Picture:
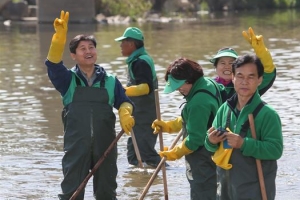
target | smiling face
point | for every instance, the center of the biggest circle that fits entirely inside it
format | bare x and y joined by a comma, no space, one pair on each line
86,54
246,80
224,67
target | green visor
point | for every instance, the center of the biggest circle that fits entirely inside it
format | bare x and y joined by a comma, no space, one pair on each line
224,53
173,84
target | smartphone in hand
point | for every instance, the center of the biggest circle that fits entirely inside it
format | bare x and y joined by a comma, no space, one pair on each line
225,142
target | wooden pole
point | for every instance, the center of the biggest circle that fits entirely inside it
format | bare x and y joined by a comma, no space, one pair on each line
136,149
160,135
97,165
258,162
161,163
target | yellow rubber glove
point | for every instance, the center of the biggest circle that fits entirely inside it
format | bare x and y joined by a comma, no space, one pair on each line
222,156
177,152
172,126
260,49
137,90
126,119
59,38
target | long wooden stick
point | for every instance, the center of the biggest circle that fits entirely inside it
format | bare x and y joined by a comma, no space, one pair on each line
161,163
136,149
258,162
161,143
97,165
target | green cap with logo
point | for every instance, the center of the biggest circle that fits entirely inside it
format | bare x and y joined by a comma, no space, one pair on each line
173,84
229,52
131,32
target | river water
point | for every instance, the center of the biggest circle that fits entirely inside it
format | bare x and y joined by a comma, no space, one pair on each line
31,134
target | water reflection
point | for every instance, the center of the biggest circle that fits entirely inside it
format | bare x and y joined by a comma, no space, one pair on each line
30,123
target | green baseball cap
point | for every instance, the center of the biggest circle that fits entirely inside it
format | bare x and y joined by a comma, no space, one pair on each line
131,32
229,52
173,84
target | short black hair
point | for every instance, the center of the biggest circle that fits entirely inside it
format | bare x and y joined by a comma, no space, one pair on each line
78,38
246,59
185,69
137,43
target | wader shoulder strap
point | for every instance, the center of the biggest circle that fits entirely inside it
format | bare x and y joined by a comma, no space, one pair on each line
78,83
228,119
246,124
200,90
219,95
212,116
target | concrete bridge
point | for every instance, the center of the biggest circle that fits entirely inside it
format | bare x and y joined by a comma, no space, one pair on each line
45,11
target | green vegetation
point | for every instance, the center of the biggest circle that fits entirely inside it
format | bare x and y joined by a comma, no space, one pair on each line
131,8
137,8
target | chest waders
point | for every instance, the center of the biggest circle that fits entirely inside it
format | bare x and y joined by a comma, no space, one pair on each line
241,182
200,168
144,114
201,173
89,125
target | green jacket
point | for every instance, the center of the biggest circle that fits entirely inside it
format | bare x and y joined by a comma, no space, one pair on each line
269,143
199,111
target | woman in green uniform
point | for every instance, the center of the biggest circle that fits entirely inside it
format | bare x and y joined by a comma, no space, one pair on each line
203,99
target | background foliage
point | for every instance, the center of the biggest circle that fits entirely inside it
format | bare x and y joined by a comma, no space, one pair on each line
138,8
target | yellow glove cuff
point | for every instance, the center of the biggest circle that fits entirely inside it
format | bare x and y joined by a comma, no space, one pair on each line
126,120
126,107
177,152
56,52
175,125
137,90
185,149
266,60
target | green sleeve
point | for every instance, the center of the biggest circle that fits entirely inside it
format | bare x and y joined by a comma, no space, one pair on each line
197,113
268,80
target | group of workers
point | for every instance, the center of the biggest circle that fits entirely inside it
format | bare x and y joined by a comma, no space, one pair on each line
218,145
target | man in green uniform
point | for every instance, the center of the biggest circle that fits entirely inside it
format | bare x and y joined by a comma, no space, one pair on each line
203,99
88,95
141,83
237,173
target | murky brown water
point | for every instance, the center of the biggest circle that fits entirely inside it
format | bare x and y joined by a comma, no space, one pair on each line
31,130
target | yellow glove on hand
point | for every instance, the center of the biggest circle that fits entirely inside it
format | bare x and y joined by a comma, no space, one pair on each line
172,126
126,119
59,38
177,152
260,49
137,90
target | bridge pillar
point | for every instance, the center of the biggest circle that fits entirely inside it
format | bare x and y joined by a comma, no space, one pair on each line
81,11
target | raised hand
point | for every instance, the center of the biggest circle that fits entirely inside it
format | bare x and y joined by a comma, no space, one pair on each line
257,43
59,38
